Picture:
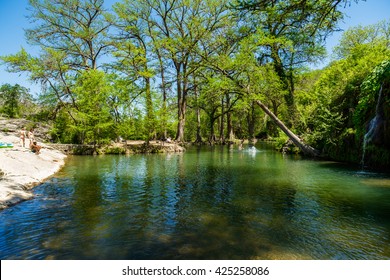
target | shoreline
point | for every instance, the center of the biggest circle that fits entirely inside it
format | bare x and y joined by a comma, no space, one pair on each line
23,170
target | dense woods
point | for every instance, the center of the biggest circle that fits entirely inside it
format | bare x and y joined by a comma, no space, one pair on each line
206,71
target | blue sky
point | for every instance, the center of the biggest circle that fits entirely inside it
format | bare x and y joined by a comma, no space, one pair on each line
13,21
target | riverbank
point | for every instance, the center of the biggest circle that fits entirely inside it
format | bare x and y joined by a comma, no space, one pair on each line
124,147
21,169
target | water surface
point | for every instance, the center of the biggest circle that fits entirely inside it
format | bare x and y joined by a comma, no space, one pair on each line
208,203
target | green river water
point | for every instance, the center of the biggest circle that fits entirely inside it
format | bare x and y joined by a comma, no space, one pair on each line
207,203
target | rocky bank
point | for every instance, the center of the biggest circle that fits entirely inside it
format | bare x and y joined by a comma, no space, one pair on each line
20,169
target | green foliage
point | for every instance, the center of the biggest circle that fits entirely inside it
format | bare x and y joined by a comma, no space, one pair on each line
199,67
76,30
294,31
344,95
371,35
10,96
280,141
15,101
62,131
93,119
115,150
370,89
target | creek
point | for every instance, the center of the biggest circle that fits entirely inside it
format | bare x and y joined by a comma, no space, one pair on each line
207,203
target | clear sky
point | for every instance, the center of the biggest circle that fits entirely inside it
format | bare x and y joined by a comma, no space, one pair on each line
13,21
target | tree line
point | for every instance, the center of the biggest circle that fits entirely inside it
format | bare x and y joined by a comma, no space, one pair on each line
202,71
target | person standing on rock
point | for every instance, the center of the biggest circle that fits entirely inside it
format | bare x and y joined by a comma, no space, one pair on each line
30,136
23,137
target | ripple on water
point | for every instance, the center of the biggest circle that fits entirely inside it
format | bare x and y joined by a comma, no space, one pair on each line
201,205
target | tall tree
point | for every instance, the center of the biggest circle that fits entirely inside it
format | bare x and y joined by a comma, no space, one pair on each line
338,107
357,37
178,27
133,51
94,119
253,80
71,36
12,98
77,28
302,25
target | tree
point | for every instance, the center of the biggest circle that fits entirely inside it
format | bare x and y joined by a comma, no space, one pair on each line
212,93
301,27
93,115
77,28
254,81
132,50
72,37
177,28
340,109
13,98
371,35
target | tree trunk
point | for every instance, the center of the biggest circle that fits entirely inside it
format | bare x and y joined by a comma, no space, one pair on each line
306,149
198,127
164,91
181,120
182,90
198,120
181,108
164,105
229,120
149,111
221,125
288,83
251,123
211,128
180,129
164,116
212,134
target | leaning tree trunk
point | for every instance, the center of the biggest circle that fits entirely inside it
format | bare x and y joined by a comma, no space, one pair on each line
306,149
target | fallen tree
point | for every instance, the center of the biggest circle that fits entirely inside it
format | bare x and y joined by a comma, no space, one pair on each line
306,149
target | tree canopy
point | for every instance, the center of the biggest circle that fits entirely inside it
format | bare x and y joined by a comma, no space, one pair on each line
201,70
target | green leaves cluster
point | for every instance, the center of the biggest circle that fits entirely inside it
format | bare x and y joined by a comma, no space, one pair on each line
342,98
93,118
197,69
15,101
375,82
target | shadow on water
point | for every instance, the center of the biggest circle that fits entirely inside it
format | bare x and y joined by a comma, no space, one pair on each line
209,203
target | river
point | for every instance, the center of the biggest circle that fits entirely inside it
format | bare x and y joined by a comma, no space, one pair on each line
207,203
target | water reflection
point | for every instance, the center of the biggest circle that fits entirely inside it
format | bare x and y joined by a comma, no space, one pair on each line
209,203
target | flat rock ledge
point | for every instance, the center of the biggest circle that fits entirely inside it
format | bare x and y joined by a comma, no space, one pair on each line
21,170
